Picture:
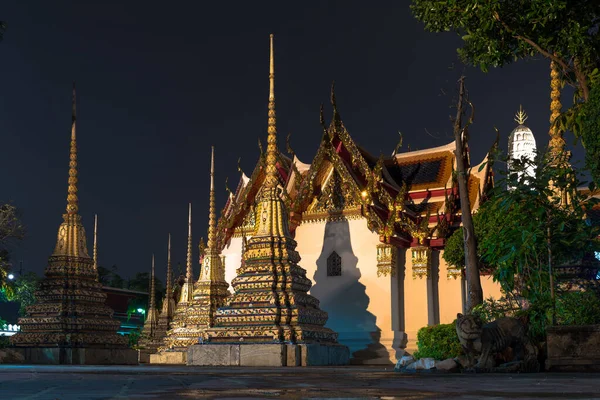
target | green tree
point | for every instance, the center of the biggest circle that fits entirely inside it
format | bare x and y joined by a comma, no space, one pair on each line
588,127
536,234
110,277
496,33
141,282
23,291
11,232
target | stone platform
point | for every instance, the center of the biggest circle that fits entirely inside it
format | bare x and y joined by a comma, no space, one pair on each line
77,355
169,357
268,355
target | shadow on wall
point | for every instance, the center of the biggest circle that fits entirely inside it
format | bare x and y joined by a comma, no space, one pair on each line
345,299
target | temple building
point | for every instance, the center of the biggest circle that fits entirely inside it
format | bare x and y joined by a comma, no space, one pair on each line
370,233
70,322
521,143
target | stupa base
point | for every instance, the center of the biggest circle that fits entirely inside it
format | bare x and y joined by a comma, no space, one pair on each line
77,355
169,357
268,355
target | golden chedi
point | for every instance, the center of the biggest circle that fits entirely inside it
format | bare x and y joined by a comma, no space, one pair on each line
270,320
70,323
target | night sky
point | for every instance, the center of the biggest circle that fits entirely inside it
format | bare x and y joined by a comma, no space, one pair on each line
159,82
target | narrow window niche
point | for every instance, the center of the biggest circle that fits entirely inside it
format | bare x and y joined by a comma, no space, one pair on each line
334,264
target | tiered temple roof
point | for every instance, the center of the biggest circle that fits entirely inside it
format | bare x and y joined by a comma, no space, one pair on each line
403,197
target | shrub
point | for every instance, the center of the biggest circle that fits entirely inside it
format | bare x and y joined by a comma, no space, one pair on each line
578,308
438,341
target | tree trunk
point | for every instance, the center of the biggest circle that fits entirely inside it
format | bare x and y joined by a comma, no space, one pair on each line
474,291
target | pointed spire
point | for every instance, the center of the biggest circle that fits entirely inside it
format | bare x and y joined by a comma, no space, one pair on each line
189,275
557,142
169,288
152,291
72,201
212,217
271,180
520,117
96,242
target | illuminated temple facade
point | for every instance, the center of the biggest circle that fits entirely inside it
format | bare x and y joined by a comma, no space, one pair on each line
371,233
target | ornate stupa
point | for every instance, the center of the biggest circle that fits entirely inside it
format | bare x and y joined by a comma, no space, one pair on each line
521,142
173,348
270,320
149,340
210,292
168,305
211,289
69,323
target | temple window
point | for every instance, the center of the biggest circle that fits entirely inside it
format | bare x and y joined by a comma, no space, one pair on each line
334,264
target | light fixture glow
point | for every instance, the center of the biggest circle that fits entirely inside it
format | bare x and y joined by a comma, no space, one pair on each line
11,276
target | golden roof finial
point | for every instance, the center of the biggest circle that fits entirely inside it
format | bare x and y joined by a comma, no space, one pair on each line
96,242
336,115
189,273
271,167
169,288
72,201
212,217
521,117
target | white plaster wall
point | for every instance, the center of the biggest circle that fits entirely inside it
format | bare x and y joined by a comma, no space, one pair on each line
358,302
233,259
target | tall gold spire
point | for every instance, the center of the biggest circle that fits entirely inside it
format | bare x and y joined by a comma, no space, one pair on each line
71,234
169,288
270,301
557,142
72,201
152,291
271,168
520,117
189,274
96,242
212,216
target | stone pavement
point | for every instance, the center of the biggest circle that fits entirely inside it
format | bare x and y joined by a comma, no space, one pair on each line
19,382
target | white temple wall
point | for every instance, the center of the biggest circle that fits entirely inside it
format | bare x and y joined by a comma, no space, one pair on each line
359,303
233,259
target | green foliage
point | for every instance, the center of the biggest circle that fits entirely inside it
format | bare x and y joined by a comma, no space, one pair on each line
438,341
141,282
110,277
588,128
535,225
134,337
496,33
23,290
578,308
485,222
492,309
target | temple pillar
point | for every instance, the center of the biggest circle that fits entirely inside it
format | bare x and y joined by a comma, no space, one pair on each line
433,297
397,300
416,308
450,291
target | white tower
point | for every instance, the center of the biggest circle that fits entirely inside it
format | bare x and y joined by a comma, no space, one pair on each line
521,143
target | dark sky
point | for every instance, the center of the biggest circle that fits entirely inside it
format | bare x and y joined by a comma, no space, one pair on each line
159,82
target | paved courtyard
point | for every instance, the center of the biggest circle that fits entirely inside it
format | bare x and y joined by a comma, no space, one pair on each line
158,382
